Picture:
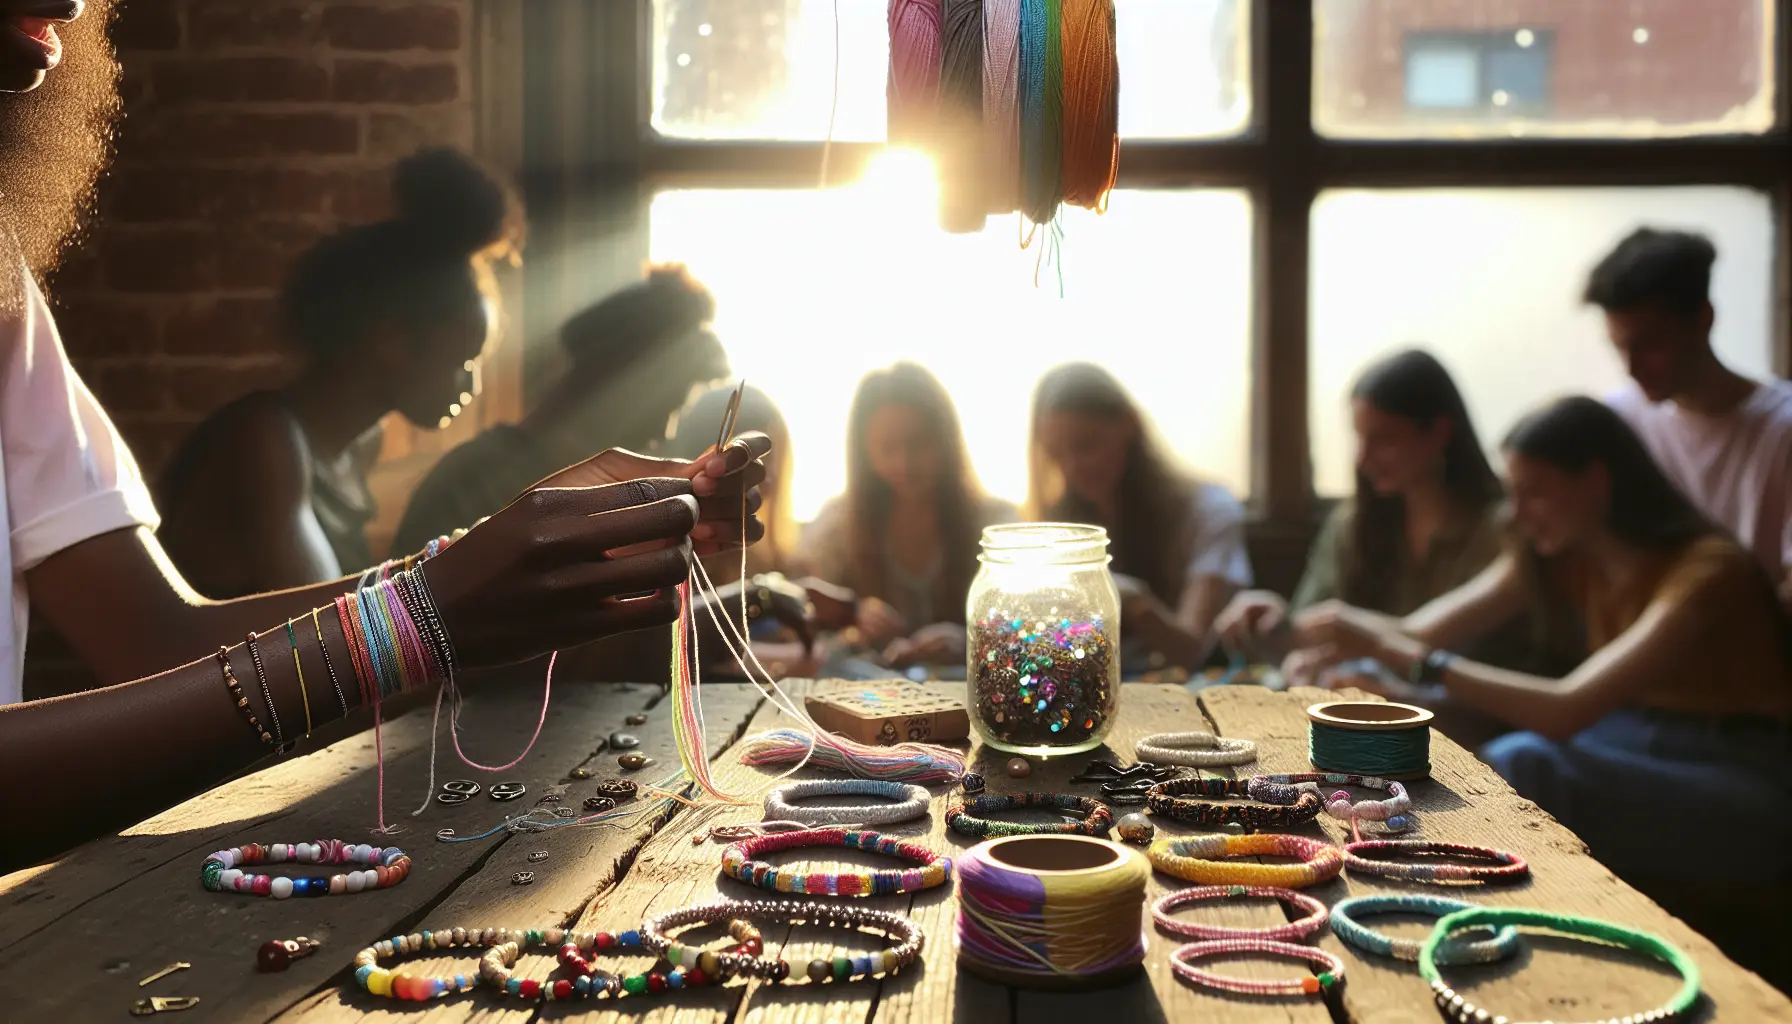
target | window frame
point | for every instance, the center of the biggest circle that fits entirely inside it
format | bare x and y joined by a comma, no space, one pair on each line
1278,159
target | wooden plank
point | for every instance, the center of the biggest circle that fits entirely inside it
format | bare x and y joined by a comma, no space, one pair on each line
100,938
1465,801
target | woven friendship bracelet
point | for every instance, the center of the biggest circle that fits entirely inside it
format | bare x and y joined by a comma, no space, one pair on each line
1193,801
1503,944
740,861
1395,811
1455,1007
1332,973
907,935
910,802
1368,857
1193,858
1315,911
383,867
969,817
1195,750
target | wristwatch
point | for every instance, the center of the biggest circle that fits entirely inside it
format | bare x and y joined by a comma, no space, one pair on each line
1429,670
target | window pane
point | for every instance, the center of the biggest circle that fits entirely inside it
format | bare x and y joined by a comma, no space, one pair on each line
1490,281
813,289
1478,68
764,69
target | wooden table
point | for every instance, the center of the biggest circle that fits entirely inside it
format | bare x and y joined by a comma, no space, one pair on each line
78,934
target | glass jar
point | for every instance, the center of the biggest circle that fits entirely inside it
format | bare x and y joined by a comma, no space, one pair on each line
1043,650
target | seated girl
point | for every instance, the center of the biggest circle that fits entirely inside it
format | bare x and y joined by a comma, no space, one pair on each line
904,537
1177,543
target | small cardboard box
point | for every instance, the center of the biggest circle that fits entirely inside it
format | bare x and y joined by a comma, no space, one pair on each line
882,714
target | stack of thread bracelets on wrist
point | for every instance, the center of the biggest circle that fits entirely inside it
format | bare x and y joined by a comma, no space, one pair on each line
396,640
740,861
1195,750
1190,858
1395,811
1333,973
1172,800
1455,1007
968,817
384,867
1503,944
1364,857
1315,910
836,915
911,802
379,981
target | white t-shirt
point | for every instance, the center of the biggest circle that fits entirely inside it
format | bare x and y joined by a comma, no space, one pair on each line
1218,548
1736,467
68,474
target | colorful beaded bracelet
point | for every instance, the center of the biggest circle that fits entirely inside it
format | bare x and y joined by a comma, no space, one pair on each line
1286,789
1191,858
1172,799
496,966
1503,944
967,817
1366,857
907,934
1195,750
911,802
740,861
1332,975
694,966
1300,929
1455,1007
386,866
379,981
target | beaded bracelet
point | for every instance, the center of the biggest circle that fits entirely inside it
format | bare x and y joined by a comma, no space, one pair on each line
907,934
1315,910
1501,866
1190,858
1195,750
1167,798
495,966
377,980
1503,944
1285,789
967,817
242,701
1455,1007
740,861
911,802
1332,975
387,866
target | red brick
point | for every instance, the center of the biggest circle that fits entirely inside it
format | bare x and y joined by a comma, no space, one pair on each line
152,26
224,135
382,81
160,259
105,326
361,197
225,23
241,80
163,195
223,327
410,27
262,254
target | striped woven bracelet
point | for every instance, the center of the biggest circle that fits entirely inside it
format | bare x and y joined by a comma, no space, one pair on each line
1331,975
1191,858
1503,944
968,817
740,861
1368,857
1315,910
382,868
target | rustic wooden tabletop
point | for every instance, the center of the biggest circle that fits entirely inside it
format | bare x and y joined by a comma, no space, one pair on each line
78,934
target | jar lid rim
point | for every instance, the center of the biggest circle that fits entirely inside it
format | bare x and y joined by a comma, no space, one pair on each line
1012,536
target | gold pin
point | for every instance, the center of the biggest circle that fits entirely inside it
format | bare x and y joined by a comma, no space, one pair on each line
164,972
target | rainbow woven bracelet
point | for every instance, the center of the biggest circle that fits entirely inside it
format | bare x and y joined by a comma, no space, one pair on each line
740,861
1500,866
1190,858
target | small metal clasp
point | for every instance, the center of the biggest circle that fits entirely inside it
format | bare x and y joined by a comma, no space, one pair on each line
159,1004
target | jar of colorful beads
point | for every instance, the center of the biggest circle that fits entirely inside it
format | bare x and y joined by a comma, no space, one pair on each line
1043,650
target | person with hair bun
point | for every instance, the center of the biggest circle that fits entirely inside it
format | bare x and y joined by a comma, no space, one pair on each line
633,359
392,317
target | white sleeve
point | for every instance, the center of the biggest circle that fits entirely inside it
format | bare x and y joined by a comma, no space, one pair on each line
1219,544
69,476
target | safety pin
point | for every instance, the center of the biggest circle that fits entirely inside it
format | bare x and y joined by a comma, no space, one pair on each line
160,1004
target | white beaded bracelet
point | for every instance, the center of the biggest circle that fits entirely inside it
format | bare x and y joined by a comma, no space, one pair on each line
1195,749
911,802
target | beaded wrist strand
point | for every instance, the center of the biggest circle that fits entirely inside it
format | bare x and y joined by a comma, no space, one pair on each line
1193,801
969,816
379,981
384,867
1395,811
740,861
906,951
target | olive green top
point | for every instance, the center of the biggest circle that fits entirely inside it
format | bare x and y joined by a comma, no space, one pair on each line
1465,544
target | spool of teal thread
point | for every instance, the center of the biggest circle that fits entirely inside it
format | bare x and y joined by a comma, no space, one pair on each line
1380,738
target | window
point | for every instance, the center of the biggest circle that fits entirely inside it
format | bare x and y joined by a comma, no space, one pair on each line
815,288
1542,67
764,69
1390,271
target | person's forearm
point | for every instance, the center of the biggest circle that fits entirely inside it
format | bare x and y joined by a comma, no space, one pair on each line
1551,707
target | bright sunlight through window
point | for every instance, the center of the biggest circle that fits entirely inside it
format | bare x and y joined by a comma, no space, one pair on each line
814,288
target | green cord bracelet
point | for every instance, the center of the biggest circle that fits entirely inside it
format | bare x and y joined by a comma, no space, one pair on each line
1455,1007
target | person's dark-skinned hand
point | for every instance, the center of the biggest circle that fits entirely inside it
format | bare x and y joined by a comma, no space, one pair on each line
835,607
717,480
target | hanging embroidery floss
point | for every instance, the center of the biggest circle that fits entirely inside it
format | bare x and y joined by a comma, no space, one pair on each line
1054,912
1383,739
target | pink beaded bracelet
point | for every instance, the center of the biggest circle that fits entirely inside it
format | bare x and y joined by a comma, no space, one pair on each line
1368,857
1316,913
1332,975
383,867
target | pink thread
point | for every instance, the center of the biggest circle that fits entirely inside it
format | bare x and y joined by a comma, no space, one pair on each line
916,52
1001,102
547,686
